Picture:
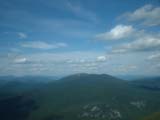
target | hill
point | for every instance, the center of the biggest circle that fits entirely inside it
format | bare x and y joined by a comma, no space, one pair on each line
152,83
13,85
92,96
85,97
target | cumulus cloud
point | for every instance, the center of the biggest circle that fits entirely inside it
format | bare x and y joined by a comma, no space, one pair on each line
22,35
138,40
145,43
74,62
116,33
20,60
101,58
43,45
51,63
148,15
154,57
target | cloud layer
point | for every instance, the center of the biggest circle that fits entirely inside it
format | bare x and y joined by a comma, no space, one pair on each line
123,46
148,15
43,45
144,43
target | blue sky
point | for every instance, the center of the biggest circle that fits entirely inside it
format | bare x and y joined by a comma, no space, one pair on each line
61,37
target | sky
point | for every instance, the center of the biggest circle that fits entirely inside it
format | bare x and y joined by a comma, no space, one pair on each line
62,37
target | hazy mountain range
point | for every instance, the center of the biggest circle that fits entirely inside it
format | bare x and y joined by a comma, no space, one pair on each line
79,97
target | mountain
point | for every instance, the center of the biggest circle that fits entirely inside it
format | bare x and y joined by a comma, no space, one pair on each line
152,83
13,85
92,96
43,79
85,97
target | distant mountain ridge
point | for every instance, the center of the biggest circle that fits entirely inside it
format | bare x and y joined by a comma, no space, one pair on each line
85,97
90,96
152,83
89,76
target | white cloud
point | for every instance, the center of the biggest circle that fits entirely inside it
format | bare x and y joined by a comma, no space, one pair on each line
20,60
64,63
22,35
43,45
101,58
145,43
148,14
154,57
51,63
61,45
116,33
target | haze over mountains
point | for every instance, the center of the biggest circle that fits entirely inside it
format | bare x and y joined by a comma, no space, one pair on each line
79,97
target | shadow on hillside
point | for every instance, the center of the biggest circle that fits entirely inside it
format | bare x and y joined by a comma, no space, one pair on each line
16,108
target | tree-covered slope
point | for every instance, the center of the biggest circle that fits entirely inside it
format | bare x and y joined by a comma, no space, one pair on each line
91,96
154,116
79,97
